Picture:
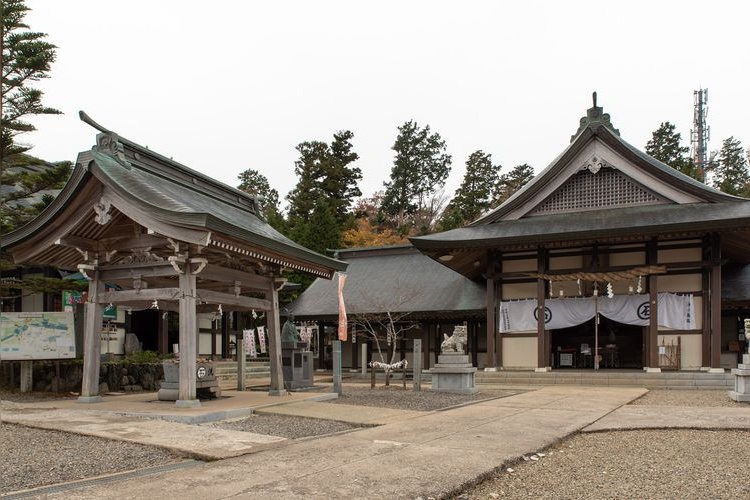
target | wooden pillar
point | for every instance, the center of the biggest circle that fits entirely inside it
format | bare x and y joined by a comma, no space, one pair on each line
321,345
542,356
491,305
425,335
92,341
715,302
474,342
355,354
225,353
498,298
162,332
186,395
706,303
652,259
491,362
276,387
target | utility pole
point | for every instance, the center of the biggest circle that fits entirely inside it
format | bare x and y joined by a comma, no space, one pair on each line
701,133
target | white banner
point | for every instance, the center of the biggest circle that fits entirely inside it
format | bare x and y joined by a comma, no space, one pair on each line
675,311
262,339
249,336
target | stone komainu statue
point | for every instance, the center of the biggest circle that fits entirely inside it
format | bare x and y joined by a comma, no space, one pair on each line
456,342
289,332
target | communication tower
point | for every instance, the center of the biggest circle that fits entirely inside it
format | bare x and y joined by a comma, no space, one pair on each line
701,133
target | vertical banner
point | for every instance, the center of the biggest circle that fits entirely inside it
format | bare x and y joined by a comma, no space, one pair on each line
342,308
262,339
249,336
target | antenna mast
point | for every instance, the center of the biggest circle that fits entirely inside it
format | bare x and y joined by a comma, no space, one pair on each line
701,133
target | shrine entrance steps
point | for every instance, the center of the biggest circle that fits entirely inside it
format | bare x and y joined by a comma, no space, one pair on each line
634,378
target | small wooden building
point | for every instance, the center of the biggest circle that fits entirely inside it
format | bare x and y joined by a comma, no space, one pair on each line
167,237
400,280
603,222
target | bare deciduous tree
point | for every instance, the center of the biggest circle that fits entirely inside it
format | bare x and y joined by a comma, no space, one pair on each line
386,324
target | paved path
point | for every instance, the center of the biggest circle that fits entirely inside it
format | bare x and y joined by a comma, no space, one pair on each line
673,417
426,455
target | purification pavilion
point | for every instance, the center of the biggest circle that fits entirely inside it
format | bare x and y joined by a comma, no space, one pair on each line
166,237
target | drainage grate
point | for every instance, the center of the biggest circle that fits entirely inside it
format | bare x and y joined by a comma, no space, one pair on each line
95,481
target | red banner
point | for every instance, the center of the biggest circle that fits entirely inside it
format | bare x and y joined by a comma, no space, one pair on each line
342,308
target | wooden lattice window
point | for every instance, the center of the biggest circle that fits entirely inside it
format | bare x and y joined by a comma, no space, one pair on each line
586,190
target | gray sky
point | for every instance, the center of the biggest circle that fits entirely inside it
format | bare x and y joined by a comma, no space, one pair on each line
224,86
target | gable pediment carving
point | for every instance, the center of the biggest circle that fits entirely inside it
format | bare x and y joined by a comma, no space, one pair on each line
597,184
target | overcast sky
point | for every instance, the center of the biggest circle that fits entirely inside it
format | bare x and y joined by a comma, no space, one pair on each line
224,86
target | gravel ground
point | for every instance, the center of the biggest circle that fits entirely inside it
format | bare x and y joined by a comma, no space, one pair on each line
284,426
35,457
642,464
395,396
684,464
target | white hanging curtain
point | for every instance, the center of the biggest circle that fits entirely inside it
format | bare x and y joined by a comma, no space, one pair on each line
675,311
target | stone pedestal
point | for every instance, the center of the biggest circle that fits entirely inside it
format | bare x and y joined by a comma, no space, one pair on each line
741,374
453,373
297,365
206,385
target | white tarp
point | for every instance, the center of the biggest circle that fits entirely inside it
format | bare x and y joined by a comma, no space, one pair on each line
675,311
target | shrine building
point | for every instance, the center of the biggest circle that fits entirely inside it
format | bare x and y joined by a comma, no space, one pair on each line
162,237
608,258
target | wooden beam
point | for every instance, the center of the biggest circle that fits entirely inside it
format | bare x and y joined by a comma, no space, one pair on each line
142,241
224,274
122,296
144,270
241,301
78,242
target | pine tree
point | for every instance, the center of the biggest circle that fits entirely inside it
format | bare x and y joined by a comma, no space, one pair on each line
665,147
256,184
30,183
512,182
476,193
730,173
420,169
323,173
26,58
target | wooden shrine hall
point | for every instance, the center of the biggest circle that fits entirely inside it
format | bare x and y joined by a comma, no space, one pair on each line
166,236
604,225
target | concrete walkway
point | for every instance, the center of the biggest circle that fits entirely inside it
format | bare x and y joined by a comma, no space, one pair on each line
422,455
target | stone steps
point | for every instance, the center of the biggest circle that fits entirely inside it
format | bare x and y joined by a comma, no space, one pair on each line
663,380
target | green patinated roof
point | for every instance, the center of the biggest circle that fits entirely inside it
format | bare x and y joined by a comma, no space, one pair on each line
399,279
647,220
597,124
174,194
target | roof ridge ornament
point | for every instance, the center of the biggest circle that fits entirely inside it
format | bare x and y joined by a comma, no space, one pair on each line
107,141
595,117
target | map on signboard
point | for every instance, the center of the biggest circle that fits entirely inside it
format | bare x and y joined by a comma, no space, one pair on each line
37,335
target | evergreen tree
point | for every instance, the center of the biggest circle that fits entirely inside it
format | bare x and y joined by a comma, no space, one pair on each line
256,184
512,182
26,58
665,147
730,173
420,169
476,193
29,183
340,180
323,173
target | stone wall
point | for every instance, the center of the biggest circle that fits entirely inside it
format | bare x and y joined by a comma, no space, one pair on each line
112,376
